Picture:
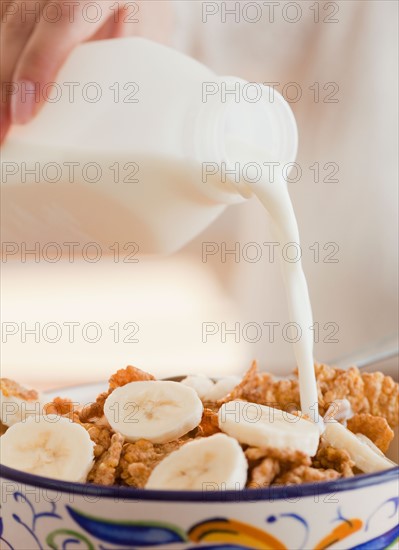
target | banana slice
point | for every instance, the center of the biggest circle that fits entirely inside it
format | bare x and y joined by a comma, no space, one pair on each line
364,439
262,426
361,452
159,411
222,388
17,403
216,462
50,446
200,383
339,409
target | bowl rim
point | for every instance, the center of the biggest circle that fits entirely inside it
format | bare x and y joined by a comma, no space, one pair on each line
272,493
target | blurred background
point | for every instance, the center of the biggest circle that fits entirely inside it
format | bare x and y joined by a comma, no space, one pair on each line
340,76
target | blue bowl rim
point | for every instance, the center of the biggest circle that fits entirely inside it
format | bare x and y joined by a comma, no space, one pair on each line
286,492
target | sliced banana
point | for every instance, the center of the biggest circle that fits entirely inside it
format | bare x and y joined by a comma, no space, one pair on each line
50,446
361,452
364,439
262,426
216,462
339,409
17,402
222,388
159,411
200,383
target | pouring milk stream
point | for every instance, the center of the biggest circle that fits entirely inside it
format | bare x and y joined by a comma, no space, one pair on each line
139,142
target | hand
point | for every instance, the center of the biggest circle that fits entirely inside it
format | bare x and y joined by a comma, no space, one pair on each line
38,35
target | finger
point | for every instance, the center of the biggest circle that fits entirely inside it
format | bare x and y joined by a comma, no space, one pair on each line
110,29
154,20
121,13
59,31
5,122
17,23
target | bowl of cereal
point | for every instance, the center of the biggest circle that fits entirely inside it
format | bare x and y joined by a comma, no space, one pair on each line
190,463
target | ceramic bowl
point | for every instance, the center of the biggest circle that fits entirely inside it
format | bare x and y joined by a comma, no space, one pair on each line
352,513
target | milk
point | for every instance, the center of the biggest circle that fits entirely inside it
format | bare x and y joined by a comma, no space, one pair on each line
136,155
274,196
